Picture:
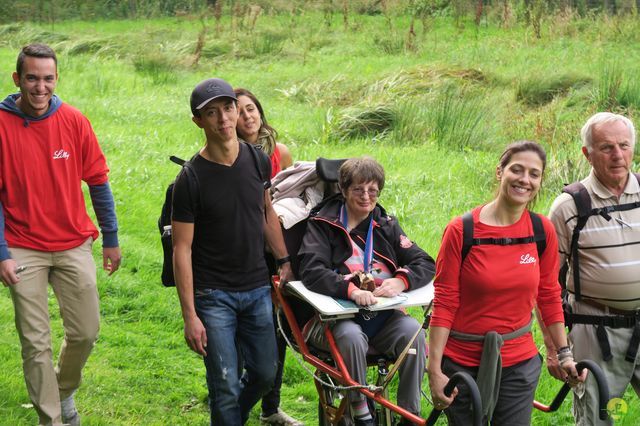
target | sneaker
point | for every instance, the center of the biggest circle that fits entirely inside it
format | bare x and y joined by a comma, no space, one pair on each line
280,418
70,414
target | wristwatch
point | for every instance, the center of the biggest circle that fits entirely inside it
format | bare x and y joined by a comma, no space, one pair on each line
283,260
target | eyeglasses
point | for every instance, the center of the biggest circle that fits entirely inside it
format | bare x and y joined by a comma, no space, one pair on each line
359,192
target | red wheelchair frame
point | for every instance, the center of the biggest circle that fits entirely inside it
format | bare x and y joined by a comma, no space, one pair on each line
331,366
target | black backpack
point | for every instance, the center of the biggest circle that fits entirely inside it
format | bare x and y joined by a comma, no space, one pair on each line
539,237
262,163
582,200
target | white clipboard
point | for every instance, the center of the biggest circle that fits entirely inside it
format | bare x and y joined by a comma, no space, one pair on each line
328,306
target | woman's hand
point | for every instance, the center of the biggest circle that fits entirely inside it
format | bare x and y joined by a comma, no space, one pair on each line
363,297
573,379
389,288
437,381
553,366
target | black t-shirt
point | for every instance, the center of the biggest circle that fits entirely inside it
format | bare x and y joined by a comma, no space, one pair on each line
228,240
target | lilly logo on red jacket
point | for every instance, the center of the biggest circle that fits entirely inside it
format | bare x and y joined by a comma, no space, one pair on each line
405,242
525,259
61,154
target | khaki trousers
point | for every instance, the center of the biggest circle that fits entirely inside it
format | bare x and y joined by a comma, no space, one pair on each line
618,371
72,274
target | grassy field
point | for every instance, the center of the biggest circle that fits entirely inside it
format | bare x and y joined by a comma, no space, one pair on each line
435,109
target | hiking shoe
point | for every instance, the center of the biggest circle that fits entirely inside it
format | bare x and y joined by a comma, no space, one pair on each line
70,414
280,418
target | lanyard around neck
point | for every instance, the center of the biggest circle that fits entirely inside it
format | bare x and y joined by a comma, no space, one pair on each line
368,245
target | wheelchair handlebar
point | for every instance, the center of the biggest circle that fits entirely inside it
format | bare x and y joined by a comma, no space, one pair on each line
601,382
476,401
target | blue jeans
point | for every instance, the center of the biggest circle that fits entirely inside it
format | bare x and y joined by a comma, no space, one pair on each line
246,318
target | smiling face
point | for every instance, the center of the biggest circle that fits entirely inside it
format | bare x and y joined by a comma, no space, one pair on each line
218,119
37,83
249,121
611,154
360,199
520,178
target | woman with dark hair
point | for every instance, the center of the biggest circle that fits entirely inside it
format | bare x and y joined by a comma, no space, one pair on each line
484,300
348,234
253,128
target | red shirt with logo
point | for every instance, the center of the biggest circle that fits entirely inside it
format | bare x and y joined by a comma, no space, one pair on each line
42,164
496,288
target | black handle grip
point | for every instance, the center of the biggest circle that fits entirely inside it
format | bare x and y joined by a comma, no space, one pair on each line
601,381
476,401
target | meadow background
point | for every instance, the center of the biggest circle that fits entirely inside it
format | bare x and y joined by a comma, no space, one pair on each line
432,89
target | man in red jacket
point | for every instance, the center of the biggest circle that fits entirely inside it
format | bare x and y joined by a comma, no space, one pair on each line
47,148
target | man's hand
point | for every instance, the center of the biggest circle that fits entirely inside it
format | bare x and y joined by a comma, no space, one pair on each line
363,297
285,273
389,288
196,335
111,258
8,273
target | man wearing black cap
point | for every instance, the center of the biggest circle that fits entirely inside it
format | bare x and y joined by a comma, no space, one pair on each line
221,215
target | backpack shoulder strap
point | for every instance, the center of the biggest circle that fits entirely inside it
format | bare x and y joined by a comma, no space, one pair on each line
538,233
582,200
262,163
467,235
580,197
192,176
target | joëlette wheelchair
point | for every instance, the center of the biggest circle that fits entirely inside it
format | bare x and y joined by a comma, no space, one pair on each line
331,378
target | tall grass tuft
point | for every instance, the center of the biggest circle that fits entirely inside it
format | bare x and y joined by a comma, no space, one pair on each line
412,122
88,47
540,90
458,121
389,44
630,95
267,42
364,121
160,69
608,89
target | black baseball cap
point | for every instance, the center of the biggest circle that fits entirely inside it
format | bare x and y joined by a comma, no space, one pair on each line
208,90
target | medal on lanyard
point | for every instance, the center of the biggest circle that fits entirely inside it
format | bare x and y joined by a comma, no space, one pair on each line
367,257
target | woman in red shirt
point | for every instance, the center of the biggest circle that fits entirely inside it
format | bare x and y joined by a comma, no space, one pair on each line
483,302
253,128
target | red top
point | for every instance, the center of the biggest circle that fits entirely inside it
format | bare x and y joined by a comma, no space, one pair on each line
496,288
42,164
275,162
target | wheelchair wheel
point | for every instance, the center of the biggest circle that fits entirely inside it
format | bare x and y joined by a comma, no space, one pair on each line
331,404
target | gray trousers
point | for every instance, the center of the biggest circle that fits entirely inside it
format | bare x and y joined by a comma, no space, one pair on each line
619,372
515,401
390,341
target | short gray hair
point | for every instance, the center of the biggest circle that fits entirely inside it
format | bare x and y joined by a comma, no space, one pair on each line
604,117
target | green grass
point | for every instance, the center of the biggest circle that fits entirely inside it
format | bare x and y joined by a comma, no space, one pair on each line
450,106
